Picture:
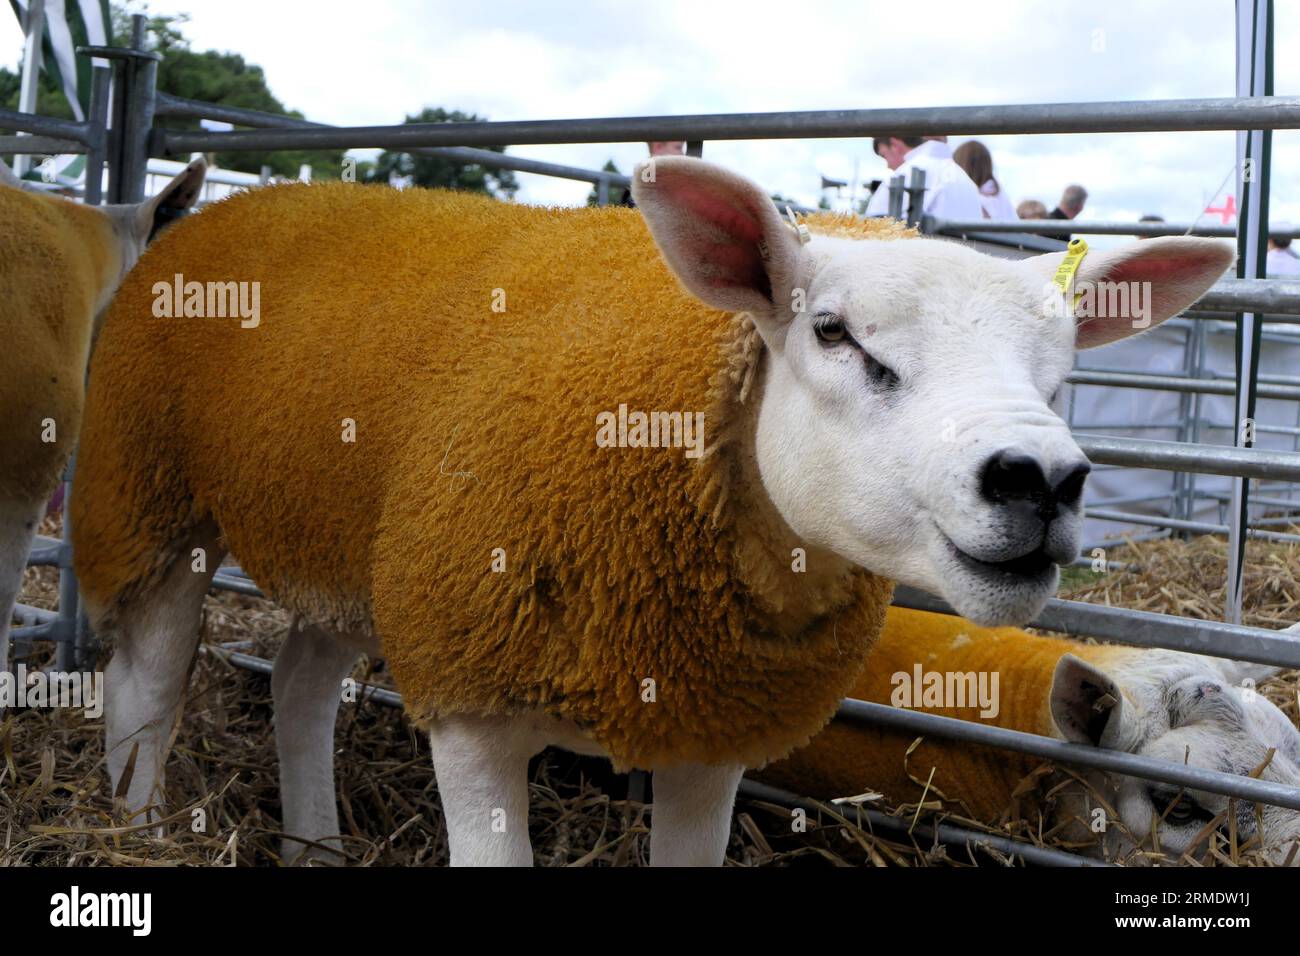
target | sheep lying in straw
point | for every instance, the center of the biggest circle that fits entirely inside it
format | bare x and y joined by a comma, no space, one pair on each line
59,264
438,445
1169,705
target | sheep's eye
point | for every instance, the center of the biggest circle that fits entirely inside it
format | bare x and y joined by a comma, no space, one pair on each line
829,329
1177,808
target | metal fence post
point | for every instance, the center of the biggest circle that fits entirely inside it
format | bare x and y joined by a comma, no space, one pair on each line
916,196
98,155
896,197
141,97
1254,147
1178,504
64,629
134,101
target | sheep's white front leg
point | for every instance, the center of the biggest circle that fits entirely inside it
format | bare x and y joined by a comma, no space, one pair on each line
690,820
18,521
482,768
306,685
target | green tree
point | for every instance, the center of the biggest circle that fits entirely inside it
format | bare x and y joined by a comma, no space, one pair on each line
615,192
228,80
225,79
49,101
425,170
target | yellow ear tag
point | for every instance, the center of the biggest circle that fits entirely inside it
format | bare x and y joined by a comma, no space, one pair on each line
1064,278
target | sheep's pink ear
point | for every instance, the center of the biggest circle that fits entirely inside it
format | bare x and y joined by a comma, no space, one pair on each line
1086,705
719,233
1128,290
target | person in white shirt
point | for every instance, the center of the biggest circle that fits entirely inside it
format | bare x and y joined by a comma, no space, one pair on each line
949,192
974,158
1281,259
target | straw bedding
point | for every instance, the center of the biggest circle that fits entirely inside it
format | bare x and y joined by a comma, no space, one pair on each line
55,806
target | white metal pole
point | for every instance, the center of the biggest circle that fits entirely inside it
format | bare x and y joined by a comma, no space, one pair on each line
33,29
1252,80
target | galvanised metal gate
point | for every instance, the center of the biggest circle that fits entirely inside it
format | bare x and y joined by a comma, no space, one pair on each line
125,145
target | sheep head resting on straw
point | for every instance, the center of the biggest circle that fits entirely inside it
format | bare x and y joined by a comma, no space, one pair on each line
424,446
1188,709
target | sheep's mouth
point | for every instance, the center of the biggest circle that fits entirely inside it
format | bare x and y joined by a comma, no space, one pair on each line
1034,565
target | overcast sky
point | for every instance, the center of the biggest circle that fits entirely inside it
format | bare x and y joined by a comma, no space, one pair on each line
352,63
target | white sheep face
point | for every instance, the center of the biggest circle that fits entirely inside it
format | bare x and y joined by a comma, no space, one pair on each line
905,422
892,405
1184,709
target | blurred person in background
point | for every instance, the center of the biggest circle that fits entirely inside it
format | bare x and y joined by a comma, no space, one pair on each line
674,147
949,192
1031,209
1069,207
1281,260
977,162
1150,217
1071,204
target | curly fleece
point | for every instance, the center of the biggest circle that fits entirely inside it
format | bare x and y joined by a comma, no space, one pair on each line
648,597
57,262
847,758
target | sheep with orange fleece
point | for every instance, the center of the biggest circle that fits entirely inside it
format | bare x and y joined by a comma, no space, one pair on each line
1169,705
59,264
460,436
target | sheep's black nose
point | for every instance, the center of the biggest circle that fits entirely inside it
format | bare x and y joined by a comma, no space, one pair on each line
1069,489
1009,476
1012,477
